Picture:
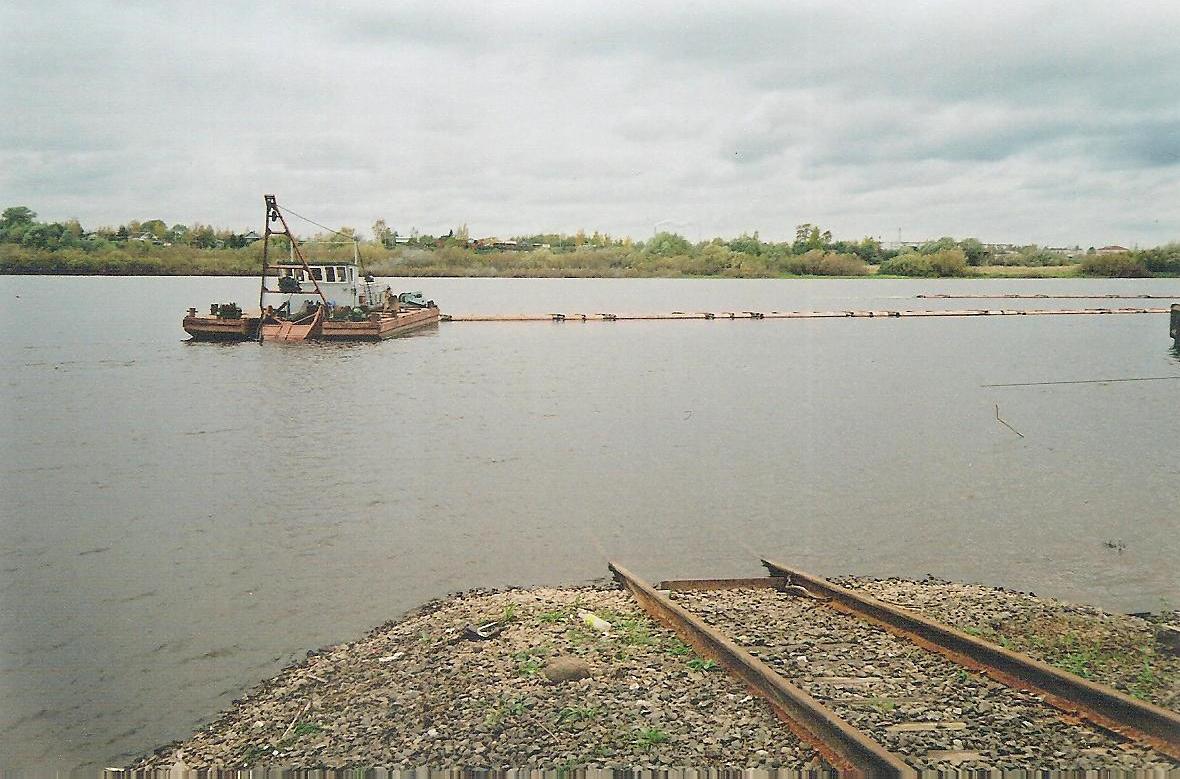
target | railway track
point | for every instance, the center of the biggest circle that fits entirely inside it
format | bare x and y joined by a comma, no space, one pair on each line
880,691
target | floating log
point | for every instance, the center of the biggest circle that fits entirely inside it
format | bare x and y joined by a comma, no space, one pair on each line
1039,296
758,315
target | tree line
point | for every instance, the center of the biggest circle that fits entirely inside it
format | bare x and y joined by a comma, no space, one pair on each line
153,247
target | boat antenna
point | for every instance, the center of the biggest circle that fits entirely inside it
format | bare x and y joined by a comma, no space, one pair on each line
273,214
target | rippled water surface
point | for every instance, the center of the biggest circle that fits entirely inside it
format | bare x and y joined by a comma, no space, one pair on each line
180,520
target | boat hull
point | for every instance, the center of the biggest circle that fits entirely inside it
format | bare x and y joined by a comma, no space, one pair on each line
211,328
380,326
377,327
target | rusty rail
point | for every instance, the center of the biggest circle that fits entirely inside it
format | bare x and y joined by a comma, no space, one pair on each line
842,745
757,315
1103,706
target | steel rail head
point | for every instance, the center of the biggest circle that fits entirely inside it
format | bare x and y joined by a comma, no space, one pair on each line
848,749
1104,706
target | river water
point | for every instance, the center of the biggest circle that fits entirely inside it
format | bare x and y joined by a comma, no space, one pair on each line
181,520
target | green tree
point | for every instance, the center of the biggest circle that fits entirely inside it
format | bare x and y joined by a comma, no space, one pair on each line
16,215
747,244
975,251
382,234
869,249
156,227
202,236
41,236
942,244
667,245
809,237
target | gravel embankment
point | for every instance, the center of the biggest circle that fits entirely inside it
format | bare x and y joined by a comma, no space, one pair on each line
1113,649
416,693
915,703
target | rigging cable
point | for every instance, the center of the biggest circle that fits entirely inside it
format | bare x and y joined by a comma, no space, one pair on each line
356,243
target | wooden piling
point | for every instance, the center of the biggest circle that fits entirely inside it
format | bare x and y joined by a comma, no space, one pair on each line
1175,329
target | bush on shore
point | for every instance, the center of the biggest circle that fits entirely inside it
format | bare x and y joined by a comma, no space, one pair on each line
1032,257
1161,259
943,263
820,263
130,260
1122,266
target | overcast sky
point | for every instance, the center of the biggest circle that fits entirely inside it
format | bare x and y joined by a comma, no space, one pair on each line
1048,122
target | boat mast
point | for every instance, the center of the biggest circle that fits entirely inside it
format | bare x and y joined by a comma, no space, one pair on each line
273,214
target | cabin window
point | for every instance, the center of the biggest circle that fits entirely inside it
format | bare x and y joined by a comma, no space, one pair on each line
341,273
317,274
331,273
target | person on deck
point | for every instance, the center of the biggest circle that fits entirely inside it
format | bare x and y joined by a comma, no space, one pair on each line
390,301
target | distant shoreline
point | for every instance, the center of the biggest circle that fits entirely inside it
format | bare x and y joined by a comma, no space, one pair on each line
983,272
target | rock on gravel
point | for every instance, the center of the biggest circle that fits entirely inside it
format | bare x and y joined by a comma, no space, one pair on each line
565,668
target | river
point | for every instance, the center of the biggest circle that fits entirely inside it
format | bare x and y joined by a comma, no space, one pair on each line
181,520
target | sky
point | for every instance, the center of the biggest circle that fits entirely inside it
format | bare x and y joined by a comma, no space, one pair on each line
1049,122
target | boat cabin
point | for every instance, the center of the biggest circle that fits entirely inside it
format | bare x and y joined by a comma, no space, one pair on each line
290,286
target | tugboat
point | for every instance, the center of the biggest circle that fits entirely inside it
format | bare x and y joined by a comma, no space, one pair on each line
323,300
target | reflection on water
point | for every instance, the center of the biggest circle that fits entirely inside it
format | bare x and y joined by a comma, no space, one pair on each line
183,519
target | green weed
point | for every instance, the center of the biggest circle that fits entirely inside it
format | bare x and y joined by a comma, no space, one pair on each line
1145,682
883,705
252,754
1077,663
702,664
576,714
530,667
650,738
528,662
634,631
306,729
511,707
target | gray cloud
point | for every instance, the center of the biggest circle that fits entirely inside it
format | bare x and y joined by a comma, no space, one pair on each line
1044,121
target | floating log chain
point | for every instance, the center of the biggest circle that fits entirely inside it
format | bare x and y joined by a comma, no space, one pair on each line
1041,296
708,315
